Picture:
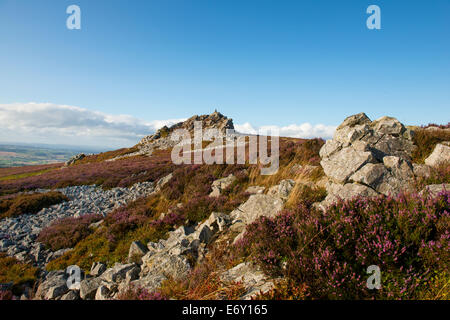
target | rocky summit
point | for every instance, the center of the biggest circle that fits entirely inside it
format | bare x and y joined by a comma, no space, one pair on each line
369,158
377,193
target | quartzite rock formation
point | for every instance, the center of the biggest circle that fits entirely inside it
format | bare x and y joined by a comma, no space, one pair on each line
369,158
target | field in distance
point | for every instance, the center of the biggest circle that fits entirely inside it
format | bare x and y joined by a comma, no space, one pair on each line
23,155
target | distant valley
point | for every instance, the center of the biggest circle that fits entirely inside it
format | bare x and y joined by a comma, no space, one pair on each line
14,155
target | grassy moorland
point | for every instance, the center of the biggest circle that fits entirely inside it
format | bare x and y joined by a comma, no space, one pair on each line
313,255
29,203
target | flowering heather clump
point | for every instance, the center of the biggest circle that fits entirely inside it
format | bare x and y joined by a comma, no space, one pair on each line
137,293
67,232
29,203
407,237
120,173
20,172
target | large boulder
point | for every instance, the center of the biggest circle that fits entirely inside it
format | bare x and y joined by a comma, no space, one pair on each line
167,264
54,286
368,158
257,205
440,154
88,288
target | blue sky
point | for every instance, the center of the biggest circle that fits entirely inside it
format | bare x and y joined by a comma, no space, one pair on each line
257,61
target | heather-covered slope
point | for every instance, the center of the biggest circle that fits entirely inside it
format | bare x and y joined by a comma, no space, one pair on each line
225,231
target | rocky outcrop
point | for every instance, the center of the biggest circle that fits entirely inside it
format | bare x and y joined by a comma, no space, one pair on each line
368,158
74,159
54,286
440,155
219,185
216,120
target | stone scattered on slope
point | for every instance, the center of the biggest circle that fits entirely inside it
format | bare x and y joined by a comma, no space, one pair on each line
53,286
435,189
440,154
74,159
219,185
251,277
255,190
18,234
136,252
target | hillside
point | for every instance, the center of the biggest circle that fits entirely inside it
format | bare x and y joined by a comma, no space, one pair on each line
141,227
23,155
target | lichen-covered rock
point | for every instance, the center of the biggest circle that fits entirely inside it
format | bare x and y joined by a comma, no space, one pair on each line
117,273
440,154
342,165
256,206
282,190
435,189
97,269
251,277
88,288
368,158
54,286
136,252
164,263
219,185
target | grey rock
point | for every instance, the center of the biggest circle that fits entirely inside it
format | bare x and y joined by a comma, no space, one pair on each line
353,120
164,263
342,165
251,277
219,185
132,274
256,206
151,282
117,273
102,293
421,170
88,288
136,252
440,155
255,190
54,285
97,269
205,234
368,158
71,295
282,190
435,189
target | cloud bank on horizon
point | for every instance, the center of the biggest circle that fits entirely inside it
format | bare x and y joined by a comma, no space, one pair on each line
63,124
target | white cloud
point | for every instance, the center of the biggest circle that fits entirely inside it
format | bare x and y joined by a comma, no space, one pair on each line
69,125
304,130
62,124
